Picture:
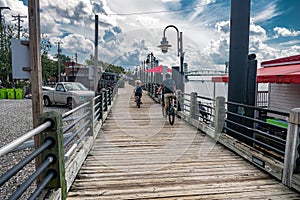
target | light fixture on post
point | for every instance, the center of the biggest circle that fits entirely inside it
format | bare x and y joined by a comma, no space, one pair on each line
164,45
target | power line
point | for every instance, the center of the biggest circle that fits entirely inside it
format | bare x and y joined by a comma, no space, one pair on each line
162,11
18,17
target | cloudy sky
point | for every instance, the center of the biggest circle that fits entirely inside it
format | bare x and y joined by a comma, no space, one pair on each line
130,29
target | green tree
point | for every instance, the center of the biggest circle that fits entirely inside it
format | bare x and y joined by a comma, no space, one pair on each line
7,32
106,66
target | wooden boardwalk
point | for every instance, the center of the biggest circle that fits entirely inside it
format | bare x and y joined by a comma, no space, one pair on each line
139,156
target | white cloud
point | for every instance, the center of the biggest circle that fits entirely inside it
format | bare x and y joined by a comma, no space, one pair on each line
267,12
257,31
205,29
281,31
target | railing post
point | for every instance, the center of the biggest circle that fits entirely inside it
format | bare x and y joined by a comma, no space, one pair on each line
91,115
105,104
100,99
291,156
194,108
180,100
57,151
110,95
219,116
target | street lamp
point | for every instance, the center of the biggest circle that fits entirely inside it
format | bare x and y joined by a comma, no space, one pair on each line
151,60
164,45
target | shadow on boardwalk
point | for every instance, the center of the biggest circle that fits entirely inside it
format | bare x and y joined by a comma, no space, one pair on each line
139,156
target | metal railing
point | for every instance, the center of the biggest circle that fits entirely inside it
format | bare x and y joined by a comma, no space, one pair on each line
62,137
252,125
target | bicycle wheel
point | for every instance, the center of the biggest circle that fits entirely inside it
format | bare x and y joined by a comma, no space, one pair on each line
171,115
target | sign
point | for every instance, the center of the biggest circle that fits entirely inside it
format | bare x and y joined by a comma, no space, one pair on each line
20,59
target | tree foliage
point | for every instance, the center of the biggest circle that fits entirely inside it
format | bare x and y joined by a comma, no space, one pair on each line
49,65
106,66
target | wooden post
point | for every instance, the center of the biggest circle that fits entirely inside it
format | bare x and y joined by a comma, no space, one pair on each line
36,69
180,100
292,144
90,108
194,108
219,116
57,151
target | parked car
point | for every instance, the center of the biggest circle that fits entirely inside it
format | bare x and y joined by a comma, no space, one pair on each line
71,94
107,79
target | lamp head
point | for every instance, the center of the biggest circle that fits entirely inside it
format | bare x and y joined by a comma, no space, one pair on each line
252,56
164,45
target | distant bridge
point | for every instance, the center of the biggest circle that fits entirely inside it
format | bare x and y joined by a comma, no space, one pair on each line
205,72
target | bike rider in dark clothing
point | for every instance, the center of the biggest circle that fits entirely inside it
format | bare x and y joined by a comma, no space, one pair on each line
138,91
168,88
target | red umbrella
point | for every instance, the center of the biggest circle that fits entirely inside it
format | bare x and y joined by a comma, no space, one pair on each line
158,69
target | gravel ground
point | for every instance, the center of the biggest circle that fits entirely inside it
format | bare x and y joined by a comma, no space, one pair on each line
15,120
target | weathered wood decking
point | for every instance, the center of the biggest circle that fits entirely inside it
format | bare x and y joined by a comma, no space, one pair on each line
138,156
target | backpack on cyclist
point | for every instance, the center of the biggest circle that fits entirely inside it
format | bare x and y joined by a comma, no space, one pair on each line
139,90
169,85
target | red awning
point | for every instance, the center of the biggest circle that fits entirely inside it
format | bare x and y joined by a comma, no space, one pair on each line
158,69
277,74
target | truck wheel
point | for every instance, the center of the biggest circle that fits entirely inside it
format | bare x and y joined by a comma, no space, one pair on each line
47,102
71,104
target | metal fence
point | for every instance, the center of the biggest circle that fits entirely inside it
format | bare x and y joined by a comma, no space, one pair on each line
61,136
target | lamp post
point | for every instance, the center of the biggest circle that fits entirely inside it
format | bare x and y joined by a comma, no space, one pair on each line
151,60
164,45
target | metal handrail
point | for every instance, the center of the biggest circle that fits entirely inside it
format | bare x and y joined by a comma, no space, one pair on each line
72,149
76,133
75,122
33,177
75,109
42,185
14,144
10,173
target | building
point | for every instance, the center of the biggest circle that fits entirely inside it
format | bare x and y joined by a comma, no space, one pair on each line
283,78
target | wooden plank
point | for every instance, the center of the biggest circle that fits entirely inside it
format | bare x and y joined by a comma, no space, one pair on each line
127,161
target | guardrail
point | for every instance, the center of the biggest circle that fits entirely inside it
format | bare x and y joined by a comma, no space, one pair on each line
65,142
267,138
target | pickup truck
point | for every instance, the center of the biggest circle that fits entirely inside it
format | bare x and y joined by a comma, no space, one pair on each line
66,93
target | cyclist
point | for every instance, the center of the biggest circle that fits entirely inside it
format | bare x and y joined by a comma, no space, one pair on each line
138,91
168,88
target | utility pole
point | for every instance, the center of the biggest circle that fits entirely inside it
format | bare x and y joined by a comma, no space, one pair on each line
58,60
18,17
96,55
36,70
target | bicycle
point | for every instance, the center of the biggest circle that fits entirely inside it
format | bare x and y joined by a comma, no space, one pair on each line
170,112
138,101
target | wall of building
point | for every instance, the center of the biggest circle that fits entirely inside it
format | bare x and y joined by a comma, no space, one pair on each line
284,97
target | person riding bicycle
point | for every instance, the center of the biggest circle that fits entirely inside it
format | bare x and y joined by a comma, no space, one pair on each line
168,88
138,91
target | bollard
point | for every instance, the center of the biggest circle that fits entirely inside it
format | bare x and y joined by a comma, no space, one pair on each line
57,151
219,116
291,156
